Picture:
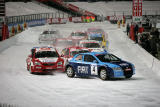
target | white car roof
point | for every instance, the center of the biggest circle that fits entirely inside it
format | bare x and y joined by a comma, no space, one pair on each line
88,41
45,49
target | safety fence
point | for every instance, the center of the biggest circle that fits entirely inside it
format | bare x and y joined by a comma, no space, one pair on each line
16,24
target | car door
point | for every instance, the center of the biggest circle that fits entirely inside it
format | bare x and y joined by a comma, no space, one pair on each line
91,62
79,66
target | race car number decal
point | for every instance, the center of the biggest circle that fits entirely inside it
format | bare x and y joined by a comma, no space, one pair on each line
82,69
94,70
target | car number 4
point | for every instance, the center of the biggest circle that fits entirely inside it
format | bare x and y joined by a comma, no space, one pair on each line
94,70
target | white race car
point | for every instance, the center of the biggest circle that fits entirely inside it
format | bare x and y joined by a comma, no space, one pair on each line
93,45
49,36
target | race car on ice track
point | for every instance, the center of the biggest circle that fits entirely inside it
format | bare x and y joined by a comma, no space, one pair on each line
77,36
99,35
101,64
93,45
69,52
44,60
49,36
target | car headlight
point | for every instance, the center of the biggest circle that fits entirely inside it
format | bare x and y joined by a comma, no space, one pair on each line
116,68
133,67
37,63
59,63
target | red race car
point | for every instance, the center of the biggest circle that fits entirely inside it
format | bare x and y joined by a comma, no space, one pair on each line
44,60
68,53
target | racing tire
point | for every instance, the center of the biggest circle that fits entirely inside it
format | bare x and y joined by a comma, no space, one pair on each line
70,72
128,76
103,74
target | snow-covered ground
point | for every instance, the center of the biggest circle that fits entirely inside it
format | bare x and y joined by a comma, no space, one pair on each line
18,87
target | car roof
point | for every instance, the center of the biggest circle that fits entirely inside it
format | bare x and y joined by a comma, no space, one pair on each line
76,47
94,53
88,41
44,48
79,32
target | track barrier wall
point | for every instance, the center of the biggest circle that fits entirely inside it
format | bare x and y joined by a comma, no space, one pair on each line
17,24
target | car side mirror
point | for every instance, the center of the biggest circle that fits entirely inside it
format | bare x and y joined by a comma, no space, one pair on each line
95,61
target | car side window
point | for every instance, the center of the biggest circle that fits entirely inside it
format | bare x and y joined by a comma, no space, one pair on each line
107,58
89,58
79,58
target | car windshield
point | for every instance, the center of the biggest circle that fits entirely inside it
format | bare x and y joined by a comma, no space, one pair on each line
78,51
78,34
108,58
43,54
91,45
49,32
96,38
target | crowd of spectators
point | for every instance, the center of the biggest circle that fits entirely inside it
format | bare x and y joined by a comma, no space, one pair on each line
149,39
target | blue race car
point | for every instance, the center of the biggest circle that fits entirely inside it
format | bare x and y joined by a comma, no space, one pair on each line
101,64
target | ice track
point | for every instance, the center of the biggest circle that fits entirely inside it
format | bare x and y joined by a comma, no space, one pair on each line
18,87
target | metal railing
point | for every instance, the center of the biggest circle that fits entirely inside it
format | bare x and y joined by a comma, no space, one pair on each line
32,17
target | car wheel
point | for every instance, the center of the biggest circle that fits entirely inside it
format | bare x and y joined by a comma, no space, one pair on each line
70,72
103,74
128,76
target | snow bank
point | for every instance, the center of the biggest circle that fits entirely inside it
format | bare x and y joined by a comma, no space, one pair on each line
152,62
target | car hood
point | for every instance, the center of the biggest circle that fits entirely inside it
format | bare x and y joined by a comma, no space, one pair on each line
121,64
43,60
97,49
78,37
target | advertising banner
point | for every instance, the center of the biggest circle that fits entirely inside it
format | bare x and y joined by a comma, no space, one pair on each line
76,19
137,10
